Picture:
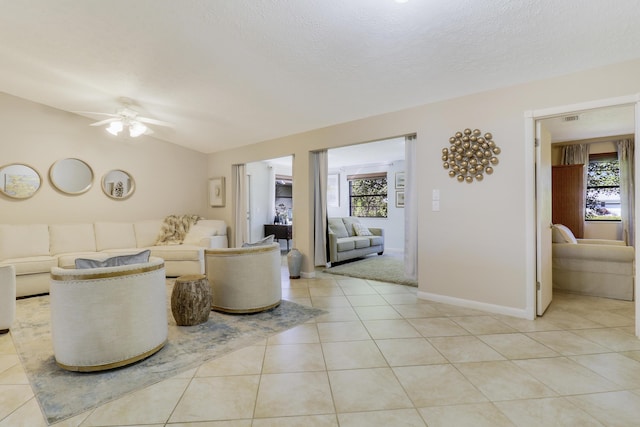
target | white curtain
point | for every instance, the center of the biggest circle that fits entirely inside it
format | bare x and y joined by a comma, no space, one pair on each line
410,209
627,176
320,172
575,154
240,195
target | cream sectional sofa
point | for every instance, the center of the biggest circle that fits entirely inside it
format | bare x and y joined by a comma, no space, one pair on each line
348,239
35,248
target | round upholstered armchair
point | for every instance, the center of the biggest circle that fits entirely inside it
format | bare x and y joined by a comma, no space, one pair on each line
244,280
7,297
107,317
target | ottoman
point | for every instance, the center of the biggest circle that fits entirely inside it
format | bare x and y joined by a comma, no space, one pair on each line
191,300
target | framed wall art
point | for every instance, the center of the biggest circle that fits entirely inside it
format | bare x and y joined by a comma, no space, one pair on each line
216,192
399,199
399,179
333,190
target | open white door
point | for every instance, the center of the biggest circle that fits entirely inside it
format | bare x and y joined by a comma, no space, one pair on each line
544,284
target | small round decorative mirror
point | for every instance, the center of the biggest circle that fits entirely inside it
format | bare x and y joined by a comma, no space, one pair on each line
71,176
118,184
19,181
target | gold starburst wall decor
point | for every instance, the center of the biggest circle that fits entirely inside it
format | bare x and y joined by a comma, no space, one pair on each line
470,155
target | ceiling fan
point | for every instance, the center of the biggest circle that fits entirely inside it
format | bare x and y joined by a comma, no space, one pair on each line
126,117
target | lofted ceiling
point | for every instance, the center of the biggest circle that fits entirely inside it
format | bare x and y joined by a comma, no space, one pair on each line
227,73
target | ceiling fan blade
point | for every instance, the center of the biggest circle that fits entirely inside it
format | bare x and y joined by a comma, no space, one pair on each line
153,121
95,113
104,122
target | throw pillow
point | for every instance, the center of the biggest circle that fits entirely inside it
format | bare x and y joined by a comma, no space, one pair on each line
562,234
349,221
198,232
139,258
361,230
263,242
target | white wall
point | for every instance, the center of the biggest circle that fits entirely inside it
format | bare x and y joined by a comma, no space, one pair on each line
168,179
478,248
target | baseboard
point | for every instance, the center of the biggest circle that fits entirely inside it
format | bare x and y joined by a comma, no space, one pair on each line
491,308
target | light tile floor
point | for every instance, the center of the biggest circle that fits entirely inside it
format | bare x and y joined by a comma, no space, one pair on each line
382,357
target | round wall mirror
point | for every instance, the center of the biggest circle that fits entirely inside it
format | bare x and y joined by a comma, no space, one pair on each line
71,176
118,184
19,181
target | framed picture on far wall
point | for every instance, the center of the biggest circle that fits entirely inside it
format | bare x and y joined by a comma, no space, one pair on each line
333,190
216,191
399,179
399,199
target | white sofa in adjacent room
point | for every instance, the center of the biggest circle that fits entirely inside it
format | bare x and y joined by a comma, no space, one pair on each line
596,267
35,248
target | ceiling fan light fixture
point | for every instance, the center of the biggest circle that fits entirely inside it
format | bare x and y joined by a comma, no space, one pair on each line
126,119
136,129
115,128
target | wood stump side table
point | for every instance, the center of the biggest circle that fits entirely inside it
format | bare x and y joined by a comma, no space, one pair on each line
191,300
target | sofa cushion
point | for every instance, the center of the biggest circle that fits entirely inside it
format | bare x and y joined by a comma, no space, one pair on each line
361,230
376,240
114,235
349,222
362,242
32,265
203,229
336,226
562,234
69,260
346,244
178,252
68,238
17,241
147,232
139,258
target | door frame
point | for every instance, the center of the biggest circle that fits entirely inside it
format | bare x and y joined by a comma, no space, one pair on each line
530,117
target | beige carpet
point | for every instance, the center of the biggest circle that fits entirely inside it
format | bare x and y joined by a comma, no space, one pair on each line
383,268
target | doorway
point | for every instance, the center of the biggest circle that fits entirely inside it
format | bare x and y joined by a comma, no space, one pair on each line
270,196
548,120
383,157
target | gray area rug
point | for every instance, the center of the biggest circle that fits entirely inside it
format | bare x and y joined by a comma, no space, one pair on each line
381,268
63,394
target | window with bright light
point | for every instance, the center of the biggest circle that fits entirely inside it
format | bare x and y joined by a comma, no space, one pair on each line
603,188
368,195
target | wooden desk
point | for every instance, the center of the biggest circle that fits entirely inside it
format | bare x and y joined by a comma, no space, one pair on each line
280,231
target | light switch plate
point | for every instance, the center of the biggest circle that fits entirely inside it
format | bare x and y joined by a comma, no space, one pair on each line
435,195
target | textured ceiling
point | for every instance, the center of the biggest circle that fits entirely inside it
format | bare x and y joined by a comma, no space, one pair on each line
233,72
